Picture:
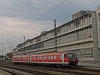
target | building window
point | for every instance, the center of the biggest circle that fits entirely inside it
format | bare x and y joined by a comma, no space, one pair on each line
99,16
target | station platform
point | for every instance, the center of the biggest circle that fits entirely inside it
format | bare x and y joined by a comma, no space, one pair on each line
89,64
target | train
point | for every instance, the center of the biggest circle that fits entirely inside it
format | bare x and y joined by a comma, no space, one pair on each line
56,58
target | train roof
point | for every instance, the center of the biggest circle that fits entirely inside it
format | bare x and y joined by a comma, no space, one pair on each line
42,54
53,53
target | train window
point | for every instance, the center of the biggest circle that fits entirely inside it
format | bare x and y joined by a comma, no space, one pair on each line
72,55
48,57
54,57
60,57
43,57
24,58
40,57
34,57
51,57
65,55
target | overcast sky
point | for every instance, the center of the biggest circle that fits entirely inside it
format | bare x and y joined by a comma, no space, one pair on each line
29,18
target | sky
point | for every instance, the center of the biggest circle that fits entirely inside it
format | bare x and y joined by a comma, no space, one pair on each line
29,18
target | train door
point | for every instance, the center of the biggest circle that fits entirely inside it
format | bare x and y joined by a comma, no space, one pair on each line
63,58
30,58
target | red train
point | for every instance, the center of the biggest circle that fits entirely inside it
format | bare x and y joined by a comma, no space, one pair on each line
57,58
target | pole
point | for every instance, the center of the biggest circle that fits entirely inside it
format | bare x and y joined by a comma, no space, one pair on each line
8,47
5,51
55,34
24,43
2,51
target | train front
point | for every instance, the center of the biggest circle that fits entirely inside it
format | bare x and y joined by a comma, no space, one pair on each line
72,59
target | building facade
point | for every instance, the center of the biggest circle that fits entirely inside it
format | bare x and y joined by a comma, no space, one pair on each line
81,36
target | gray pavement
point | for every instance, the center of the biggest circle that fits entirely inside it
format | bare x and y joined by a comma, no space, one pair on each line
90,64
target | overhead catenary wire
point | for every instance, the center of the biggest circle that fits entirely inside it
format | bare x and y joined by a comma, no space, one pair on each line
24,16
49,11
30,10
77,10
82,8
43,16
16,26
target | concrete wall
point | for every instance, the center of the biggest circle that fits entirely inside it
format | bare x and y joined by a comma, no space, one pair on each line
95,37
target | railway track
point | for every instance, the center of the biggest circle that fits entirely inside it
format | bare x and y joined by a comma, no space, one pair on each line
35,71
13,71
40,70
73,70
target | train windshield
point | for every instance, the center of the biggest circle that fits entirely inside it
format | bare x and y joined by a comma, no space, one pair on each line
72,56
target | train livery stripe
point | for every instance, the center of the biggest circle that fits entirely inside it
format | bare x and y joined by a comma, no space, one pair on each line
50,62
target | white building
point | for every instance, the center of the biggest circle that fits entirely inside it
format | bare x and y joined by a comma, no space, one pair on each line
81,35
